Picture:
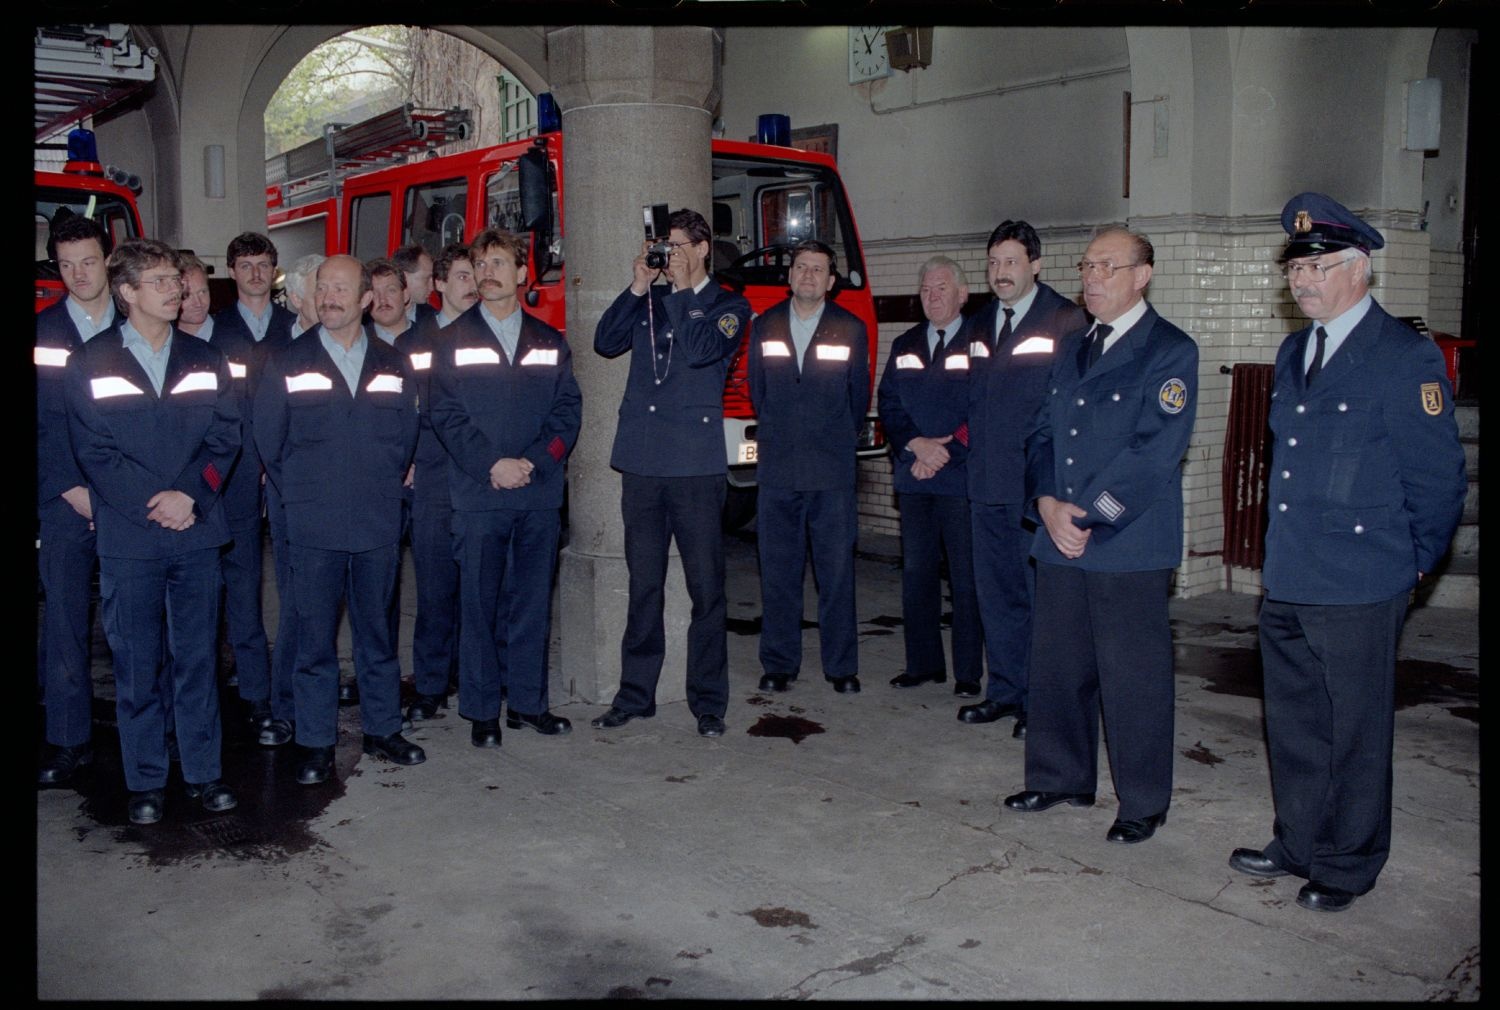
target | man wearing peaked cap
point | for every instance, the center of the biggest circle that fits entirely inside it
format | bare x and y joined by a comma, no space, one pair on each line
1367,485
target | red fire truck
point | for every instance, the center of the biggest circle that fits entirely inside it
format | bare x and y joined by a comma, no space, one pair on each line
80,188
766,199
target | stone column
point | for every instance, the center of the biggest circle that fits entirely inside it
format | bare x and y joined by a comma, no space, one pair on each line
637,109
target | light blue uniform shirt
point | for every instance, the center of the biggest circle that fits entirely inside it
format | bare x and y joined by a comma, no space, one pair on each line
154,362
507,330
258,324
803,330
349,363
87,328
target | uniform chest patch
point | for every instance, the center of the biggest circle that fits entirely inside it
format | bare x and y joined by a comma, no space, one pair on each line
1172,396
1432,398
729,324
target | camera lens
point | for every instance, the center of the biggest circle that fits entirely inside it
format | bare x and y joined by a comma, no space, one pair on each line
656,260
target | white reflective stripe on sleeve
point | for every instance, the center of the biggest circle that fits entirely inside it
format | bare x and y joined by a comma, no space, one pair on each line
540,356
833,352
775,349
307,382
112,385
476,356
52,357
193,381
421,362
384,384
1034,345
236,370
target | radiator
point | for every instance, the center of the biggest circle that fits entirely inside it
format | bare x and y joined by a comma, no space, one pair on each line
1247,464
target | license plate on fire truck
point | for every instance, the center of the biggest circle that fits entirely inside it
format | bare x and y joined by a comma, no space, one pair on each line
747,452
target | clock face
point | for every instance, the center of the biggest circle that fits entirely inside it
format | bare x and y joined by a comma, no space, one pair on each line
868,59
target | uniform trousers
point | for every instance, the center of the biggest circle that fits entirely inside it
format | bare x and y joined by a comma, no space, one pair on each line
1330,722
322,579
240,567
140,598
506,558
1102,639
787,524
434,640
1005,580
931,526
66,562
284,652
657,510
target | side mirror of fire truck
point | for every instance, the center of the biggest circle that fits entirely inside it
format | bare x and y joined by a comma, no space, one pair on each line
536,205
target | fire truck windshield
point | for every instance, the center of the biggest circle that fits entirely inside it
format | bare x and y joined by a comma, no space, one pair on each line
763,208
112,211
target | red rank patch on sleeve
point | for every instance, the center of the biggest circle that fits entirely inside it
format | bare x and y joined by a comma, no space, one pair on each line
557,448
961,436
211,477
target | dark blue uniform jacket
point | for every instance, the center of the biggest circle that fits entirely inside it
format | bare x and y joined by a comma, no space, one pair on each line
485,408
56,469
420,344
675,427
337,461
1112,442
1367,472
1006,387
919,396
809,421
131,443
247,361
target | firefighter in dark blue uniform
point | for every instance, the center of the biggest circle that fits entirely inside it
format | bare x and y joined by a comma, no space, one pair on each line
1367,486
809,374
1013,343
247,333
434,640
1104,481
506,407
336,424
155,427
66,554
669,449
923,399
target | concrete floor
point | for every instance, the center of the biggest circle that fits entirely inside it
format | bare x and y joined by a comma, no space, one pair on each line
862,853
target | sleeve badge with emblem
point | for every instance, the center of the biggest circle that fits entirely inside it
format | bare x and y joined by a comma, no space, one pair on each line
729,324
1173,396
1432,398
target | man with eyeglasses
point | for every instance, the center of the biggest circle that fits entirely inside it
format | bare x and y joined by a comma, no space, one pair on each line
248,332
1013,342
1367,487
66,540
1104,481
155,427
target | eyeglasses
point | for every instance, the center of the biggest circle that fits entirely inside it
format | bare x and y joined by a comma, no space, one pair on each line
1102,268
164,282
1317,271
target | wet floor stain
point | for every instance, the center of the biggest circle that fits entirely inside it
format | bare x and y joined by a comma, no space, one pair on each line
885,621
679,779
969,944
1202,755
1238,672
751,625
693,955
269,824
790,727
758,700
779,917
1203,629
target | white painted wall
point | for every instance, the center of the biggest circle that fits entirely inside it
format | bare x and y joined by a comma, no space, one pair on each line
1443,173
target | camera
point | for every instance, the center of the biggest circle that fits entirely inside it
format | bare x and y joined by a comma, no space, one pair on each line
658,229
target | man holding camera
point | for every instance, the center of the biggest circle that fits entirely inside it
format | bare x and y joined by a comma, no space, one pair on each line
669,449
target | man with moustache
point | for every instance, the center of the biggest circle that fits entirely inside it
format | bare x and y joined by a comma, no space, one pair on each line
507,408
247,333
193,317
387,315
1013,342
336,422
1367,487
809,375
434,642
66,540
923,398
155,428
669,449
1104,480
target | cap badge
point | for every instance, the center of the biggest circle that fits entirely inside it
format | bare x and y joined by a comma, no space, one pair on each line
1303,224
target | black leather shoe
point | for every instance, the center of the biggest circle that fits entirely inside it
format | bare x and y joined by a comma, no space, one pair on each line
259,715
987,711
216,796
774,682
615,717
59,768
395,748
1322,898
146,807
485,733
275,733
1256,863
918,679
544,723
1131,832
845,685
426,707
1031,801
316,766
966,688
710,725
1019,733
349,692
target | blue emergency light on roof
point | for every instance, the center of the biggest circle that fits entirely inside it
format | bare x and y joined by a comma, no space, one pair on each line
81,145
548,116
774,128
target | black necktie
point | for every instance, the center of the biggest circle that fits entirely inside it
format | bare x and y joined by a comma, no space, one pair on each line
937,349
1097,347
1317,361
1004,333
